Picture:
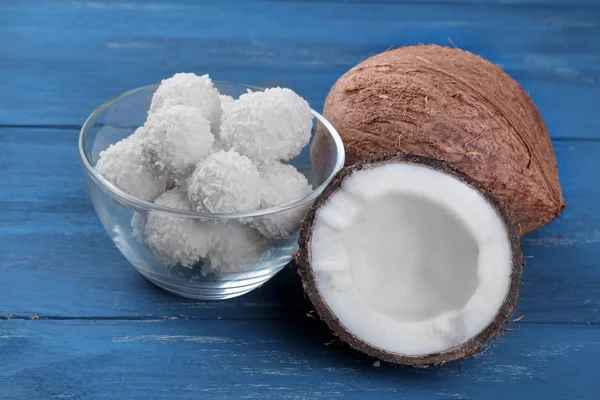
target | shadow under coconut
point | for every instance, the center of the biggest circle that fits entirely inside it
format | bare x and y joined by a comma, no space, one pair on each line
304,336
279,313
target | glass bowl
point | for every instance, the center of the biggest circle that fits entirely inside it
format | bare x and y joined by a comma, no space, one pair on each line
247,260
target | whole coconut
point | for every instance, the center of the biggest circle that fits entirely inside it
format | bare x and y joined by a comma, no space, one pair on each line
451,105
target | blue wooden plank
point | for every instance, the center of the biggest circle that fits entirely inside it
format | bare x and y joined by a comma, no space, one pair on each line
275,360
56,260
100,331
55,77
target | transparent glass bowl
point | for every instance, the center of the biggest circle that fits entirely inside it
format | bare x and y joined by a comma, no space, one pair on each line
249,261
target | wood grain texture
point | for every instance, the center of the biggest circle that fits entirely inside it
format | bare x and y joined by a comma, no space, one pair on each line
51,244
63,59
77,322
274,360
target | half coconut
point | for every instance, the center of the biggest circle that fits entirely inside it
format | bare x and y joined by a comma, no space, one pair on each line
410,261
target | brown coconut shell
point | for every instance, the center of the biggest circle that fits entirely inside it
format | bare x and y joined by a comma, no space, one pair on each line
448,104
468,349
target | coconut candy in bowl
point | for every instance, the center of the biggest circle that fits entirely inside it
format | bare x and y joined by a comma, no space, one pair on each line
212,222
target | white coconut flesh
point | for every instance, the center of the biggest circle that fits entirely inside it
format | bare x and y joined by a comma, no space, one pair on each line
410,259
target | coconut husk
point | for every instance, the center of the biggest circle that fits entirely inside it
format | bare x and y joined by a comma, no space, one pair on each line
451,105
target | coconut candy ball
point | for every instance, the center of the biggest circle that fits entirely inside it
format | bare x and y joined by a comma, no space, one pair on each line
281,184
226,101
176,239
237,248
176,139
191,90
225,182
267,126
123,164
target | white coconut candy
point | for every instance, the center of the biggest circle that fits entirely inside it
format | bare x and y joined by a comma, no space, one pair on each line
176,239
191,90
124,165
282,184
226,101
237,249
225,182
267,126
176,139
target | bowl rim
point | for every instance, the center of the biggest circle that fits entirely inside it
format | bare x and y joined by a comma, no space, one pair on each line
148,206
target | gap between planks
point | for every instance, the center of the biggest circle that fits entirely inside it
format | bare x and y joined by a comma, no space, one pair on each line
68,127
300,316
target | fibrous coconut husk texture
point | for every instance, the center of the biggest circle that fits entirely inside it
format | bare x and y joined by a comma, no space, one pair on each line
471,347
451,105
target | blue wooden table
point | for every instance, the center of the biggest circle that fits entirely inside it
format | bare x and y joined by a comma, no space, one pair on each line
77,322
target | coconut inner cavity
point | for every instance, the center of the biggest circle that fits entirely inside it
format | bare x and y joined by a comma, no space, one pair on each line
410,259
